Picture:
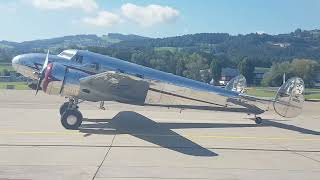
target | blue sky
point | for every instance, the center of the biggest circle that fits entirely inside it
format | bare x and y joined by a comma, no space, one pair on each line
37,19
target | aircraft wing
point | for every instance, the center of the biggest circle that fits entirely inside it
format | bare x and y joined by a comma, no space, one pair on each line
126,88
114,86
139,90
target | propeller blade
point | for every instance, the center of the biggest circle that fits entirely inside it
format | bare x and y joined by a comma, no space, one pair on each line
38,86
45,64
41,74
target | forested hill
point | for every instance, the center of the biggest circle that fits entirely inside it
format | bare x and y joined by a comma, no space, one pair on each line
264,47
9,49
261,48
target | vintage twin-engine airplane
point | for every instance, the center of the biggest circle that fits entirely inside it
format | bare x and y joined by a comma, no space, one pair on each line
86,76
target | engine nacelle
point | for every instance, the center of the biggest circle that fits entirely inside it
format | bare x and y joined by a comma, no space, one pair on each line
62,80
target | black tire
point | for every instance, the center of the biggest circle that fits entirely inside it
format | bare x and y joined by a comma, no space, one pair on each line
63,108
258,120
71,119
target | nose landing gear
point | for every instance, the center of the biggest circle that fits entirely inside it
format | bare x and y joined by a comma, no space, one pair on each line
71,117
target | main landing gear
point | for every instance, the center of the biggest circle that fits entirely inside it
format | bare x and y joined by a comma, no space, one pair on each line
71,117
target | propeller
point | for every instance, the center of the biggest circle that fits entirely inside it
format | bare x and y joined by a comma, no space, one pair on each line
42,73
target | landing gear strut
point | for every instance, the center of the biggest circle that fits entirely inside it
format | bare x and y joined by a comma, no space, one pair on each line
71,117
63,108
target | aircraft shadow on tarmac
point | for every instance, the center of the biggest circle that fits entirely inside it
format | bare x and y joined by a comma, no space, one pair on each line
274,123
137,125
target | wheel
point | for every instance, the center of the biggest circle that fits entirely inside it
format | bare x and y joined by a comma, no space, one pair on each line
63,108
71,119
258,120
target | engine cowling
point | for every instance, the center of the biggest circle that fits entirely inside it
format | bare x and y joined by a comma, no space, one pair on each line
62,80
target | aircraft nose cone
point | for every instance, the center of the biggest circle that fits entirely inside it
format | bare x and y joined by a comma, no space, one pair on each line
16,59
15,62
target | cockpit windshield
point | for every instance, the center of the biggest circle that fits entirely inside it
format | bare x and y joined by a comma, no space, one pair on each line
68,54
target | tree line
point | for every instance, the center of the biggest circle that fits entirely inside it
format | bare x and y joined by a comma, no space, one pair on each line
202,56
204,66
303,68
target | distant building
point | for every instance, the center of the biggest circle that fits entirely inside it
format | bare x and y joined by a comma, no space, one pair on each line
317,79
227,74
258,74
282,45
11,76
5,78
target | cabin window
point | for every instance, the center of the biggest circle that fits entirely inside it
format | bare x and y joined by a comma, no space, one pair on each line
79,59
95,66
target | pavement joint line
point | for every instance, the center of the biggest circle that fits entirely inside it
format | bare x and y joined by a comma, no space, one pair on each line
299,153
163,135
104,158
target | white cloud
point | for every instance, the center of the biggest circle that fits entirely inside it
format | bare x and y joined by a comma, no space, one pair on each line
104,18
143,15
149,15
87,5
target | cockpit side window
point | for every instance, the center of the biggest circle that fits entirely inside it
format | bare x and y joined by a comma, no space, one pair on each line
68,54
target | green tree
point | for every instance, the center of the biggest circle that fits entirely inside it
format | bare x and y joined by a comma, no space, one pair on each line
141,58
305,69
215,70
195,64
206,75
180,67
164,61
302,68
275,76
246,68
5,72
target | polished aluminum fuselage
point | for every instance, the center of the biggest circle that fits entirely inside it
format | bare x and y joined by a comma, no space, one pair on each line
164,89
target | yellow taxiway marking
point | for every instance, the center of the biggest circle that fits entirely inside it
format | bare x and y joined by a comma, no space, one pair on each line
77,133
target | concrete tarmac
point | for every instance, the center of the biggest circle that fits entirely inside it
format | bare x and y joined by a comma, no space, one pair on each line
132,142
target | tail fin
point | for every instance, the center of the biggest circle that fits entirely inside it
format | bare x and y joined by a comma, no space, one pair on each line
289,98
237,84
